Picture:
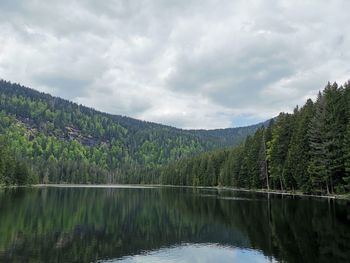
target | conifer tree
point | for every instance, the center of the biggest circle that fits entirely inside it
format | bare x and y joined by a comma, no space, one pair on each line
346,178
298,154
262,160
236,157
211,179
335,127
278,150
318,164
346,150
256,157
195,174
243,178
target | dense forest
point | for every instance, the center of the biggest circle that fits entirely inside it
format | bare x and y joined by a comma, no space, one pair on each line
45,139
48,139
307,151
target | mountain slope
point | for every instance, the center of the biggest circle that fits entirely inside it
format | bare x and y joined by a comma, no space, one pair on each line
67,142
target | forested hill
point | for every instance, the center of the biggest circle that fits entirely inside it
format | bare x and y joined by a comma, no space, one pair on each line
229,136
306,151
49,139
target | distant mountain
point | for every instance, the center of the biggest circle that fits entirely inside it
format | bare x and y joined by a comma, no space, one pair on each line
229,136
56,140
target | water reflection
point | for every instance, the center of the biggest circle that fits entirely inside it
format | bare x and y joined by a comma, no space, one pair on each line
204,253
169,225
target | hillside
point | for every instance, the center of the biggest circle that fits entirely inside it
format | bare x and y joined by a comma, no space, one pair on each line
56,140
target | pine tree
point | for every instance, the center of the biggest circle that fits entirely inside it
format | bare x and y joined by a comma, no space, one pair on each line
347,100
262,159
202,166
195,174
346,150
335,127
255,160
318,164
236,157
278,150
211,179
288,167
346,178
298,154
244,172
266,142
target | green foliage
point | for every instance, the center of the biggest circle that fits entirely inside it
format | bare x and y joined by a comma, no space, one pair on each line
299,149
278,150
13,171
347,158
306,151
57,137
63,142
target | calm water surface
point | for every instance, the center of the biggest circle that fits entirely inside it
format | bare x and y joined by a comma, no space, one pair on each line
162,224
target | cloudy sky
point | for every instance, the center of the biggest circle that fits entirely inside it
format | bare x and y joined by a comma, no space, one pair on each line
186,63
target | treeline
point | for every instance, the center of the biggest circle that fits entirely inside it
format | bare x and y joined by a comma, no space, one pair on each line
64,142
308,151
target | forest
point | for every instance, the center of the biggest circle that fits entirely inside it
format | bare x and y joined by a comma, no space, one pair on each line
45,139
306,151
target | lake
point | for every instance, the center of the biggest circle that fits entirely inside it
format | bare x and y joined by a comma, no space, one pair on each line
166,224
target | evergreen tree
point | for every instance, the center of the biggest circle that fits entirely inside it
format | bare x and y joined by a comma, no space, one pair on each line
318,164
299,150
211,179
262,161
243,177
346,178
278,150
335,127
255,160
346,150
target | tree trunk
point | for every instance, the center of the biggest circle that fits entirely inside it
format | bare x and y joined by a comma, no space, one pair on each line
327,187
281,184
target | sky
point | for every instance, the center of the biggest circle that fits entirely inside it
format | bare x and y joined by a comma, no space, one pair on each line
186,63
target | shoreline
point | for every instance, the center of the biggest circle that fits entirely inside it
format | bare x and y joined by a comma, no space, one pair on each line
265,191
150,186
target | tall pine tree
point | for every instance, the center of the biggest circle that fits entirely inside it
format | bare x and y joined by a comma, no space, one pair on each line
278,150
318,164
335,127
299,150
346,178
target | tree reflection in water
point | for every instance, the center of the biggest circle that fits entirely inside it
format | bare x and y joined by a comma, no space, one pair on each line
92,224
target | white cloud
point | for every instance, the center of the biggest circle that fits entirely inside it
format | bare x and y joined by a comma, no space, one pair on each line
192,64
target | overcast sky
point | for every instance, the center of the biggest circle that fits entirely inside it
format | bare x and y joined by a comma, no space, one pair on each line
186,63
